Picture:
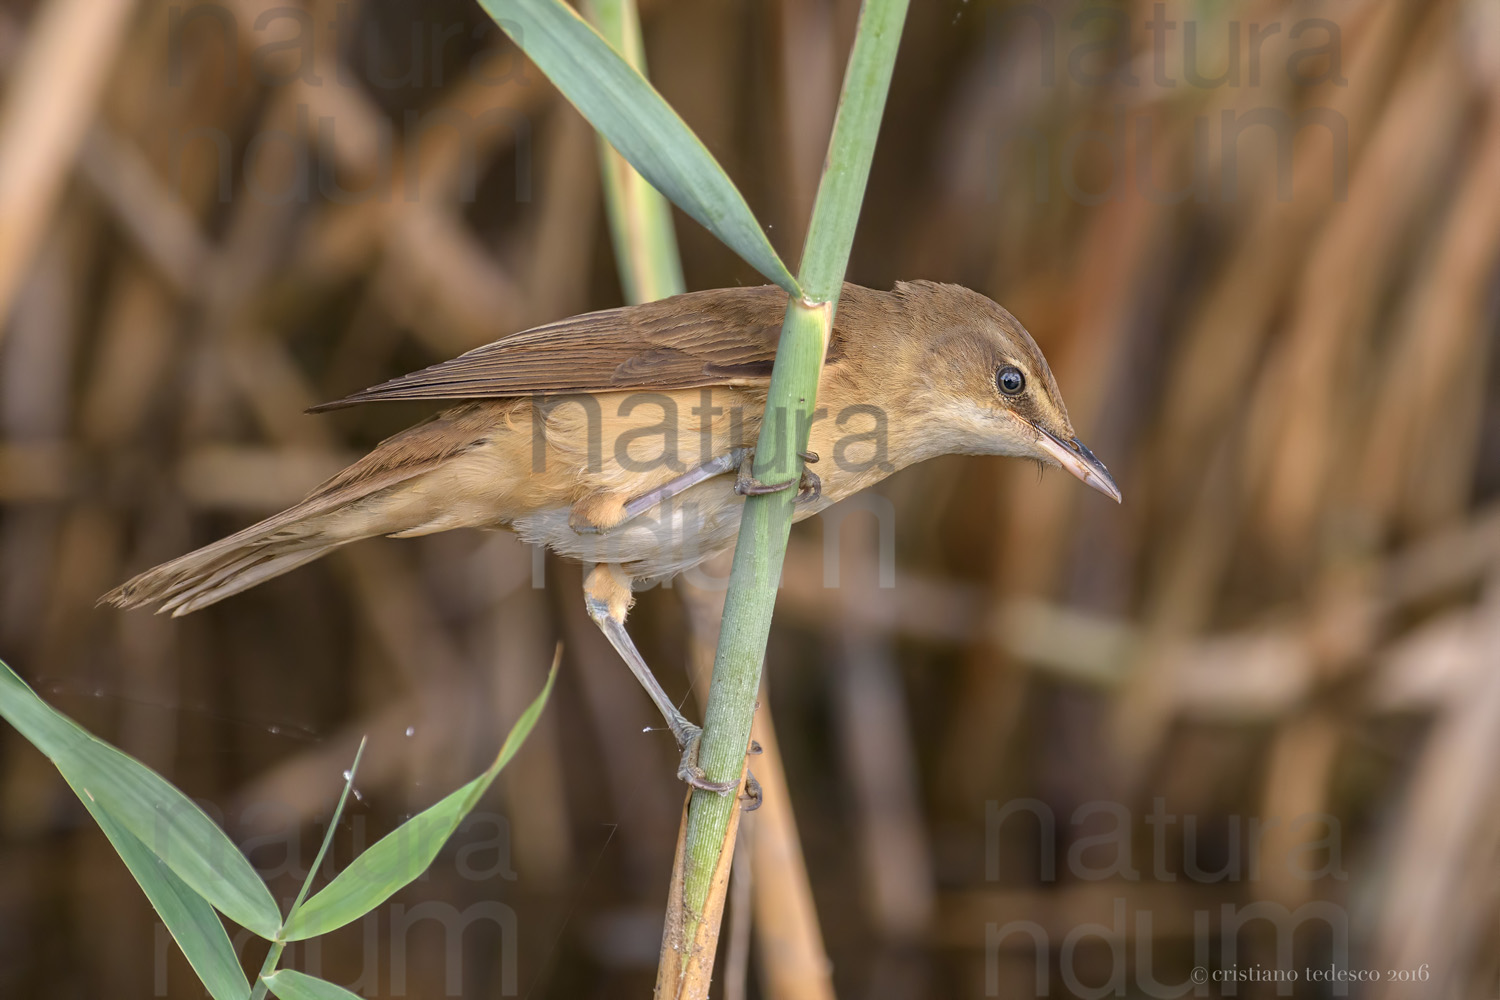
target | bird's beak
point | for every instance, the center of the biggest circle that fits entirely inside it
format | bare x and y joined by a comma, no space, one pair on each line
1077,459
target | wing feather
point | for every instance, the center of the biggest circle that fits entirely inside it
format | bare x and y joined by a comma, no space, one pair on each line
715,337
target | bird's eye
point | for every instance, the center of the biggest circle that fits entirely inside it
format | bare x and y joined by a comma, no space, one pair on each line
1010,380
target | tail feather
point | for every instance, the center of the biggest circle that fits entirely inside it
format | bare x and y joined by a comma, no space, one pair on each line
331,517
365,500
244,574
214,572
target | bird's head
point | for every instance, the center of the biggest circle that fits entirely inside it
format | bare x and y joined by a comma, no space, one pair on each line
987,387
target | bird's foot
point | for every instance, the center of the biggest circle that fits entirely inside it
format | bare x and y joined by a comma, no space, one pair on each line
809,485
751,796
689,737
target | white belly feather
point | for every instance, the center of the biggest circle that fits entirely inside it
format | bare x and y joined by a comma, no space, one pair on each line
668,539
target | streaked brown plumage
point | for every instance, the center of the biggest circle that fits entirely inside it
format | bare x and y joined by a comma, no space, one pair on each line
560,427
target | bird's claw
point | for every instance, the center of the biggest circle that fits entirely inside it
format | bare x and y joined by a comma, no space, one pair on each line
749,486
689,771
809,485
751,796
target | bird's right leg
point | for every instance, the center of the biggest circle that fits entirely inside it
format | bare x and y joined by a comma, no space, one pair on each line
601,513
607,596
582,520
809,486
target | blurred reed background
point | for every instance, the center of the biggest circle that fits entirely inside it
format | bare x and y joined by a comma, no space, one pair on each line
1262,262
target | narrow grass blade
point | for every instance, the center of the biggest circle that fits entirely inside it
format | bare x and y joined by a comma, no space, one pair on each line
273,956
407,851
640,219
625,109
288,984
333,824
166,822
194,925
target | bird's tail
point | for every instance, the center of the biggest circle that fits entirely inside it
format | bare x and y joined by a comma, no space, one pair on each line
404,487
206,576
365,500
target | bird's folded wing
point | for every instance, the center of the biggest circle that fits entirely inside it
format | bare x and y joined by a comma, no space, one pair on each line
717,337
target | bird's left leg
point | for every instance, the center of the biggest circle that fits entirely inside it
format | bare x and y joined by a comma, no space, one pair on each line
606,594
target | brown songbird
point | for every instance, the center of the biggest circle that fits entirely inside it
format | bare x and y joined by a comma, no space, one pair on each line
622,439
